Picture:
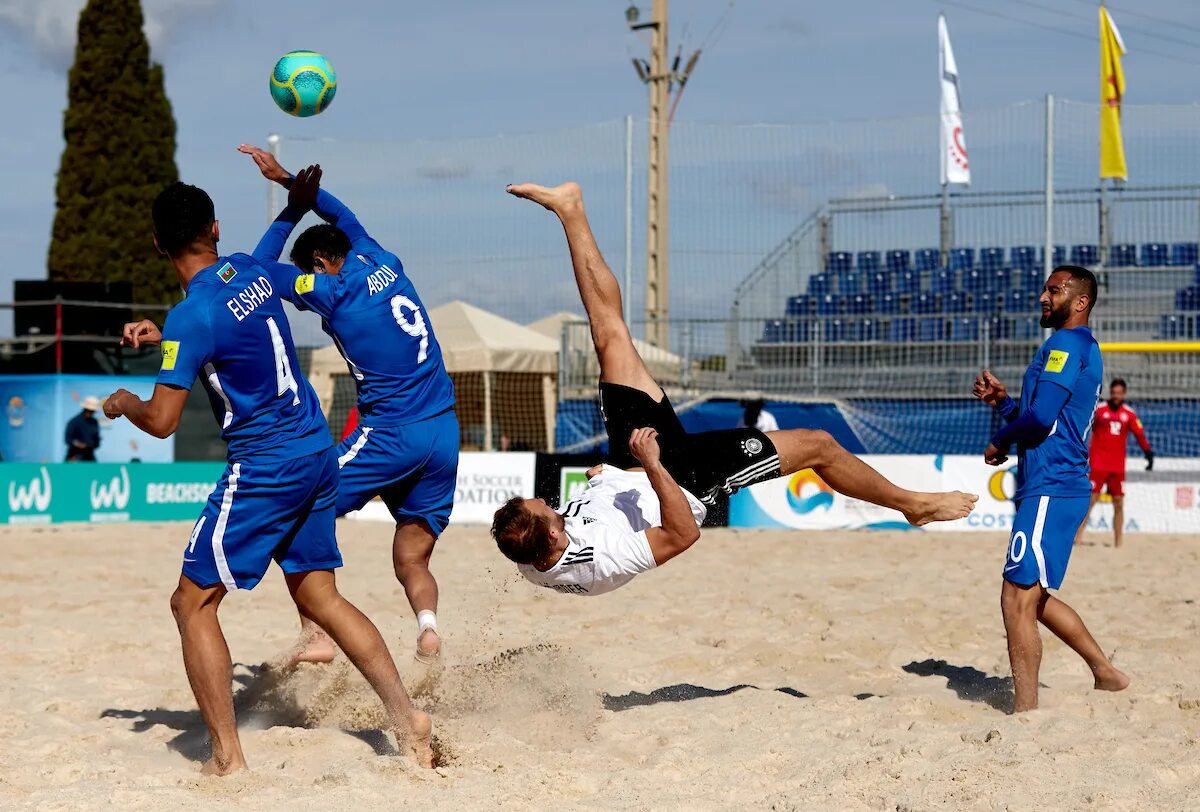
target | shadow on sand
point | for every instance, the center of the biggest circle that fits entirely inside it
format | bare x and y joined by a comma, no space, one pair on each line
968,683
685,692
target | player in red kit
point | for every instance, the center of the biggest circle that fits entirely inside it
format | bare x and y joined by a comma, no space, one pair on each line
1110,428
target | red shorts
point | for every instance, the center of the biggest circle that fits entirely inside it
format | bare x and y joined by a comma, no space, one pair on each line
1115,482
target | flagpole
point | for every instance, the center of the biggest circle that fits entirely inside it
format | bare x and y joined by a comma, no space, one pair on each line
947,229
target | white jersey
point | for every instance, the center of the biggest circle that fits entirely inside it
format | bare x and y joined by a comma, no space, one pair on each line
606,534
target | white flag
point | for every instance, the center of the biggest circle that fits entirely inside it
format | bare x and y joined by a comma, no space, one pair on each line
955,168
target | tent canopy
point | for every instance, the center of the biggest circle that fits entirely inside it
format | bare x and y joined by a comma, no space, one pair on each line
474,340
665,366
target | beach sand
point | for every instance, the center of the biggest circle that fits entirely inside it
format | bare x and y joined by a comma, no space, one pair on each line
761,670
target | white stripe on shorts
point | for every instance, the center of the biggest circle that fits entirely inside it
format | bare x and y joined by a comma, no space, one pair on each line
1036,541
353,450
218,536
752,472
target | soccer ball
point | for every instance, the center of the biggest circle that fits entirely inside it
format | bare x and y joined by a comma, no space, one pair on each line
303,83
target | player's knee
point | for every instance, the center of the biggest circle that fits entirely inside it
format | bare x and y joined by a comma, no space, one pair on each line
822,448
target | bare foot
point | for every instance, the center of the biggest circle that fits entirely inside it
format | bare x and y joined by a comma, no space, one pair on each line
556,199
315,649
429,647
1111,680
941,507
221,767
417,740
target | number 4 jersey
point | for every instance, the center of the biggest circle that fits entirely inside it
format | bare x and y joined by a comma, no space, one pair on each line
231,332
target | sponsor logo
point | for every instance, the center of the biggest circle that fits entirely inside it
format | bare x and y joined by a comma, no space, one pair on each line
175,493
32,497
305,283
170,354
571,482
1002,484
752,446
806,492
1185,497
111,495
1057,360
227,273
488,489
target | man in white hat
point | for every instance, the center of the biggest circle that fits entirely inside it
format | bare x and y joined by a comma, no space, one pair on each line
83,432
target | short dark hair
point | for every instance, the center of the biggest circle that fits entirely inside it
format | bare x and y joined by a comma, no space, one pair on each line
523,537
327,240
182,215
1088,284
1118,382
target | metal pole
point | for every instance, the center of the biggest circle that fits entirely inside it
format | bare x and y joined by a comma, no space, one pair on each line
947,227
628,288
656,187
1105,233
272,205
58,334
487,412
1048,258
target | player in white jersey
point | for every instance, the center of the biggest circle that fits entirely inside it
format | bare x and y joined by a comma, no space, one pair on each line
646,505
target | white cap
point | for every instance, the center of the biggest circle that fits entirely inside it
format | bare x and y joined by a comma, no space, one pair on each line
91,403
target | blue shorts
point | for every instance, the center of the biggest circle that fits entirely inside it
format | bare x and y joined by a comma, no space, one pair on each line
1042,539
414,468
281,511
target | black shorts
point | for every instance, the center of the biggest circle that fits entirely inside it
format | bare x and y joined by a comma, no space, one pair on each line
706,463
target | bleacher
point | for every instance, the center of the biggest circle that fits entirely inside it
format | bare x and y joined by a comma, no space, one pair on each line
900,296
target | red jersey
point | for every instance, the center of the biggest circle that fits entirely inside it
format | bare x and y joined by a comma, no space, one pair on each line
1110,428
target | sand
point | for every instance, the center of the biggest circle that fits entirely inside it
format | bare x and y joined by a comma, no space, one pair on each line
764,670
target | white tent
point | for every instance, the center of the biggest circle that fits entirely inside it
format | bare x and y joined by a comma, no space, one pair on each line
571,335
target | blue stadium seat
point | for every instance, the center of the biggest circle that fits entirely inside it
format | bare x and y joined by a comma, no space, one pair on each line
897,261
1059,257
887,304
954,303
962,259
1019,301
944,281
928,259
999,328
1154,254
924,303
862,330
858,305
849,284
975,281
799,305
879,283
931,329
1197,272
1178,325
838,262
1123,255
965,329
903,331
908,282
1187,298
868,262
1002,279
829,305
984,302
991,259
835,330
1184,254
773,332
1023,257
1030,280
1027,328
801,331
1083,254
819,284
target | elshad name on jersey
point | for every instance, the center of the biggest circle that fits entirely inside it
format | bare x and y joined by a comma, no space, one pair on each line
244,303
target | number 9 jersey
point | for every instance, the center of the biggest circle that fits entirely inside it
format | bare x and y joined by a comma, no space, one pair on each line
232,333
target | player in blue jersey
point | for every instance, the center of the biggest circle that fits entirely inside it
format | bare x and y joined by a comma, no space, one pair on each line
275,500
1049,427
405,448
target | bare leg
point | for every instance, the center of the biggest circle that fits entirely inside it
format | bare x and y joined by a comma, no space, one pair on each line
317,598
598,288
411,549
1118,520
1066,624
847,474
209,671
1083,527
314,646
1019,605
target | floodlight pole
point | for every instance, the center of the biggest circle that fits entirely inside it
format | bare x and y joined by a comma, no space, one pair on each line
657,213
273,148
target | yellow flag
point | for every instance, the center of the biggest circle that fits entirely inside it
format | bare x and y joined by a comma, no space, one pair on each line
1112,91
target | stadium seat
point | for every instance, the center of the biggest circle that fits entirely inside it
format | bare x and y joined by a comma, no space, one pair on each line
1059,257
819,284
1019,301
858,305
991,259
944,281
1123,255
887,304
1178,325
999,328
931,329
1184,254
868,262
964,329
1030,280
954,303
962,259
903,331
897,261
838,262
1023,257
924,303
829,305
849,284
1027,328
984,302
974,281
879,283
835,330
909,282
799,305
1082,254
1154,254
773,332
1168,326
928,259
862,330
1002,280
801,331
1188,298
1196,280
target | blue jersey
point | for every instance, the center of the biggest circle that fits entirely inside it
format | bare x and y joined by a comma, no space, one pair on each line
1058,465
375,317
231,332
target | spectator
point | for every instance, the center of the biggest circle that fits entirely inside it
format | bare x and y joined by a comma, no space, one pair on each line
757,417
83,433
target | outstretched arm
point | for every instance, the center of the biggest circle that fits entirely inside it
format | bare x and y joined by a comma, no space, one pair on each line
158,417
334,211
271,245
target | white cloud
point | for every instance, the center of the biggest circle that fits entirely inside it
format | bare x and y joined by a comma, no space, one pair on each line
50,25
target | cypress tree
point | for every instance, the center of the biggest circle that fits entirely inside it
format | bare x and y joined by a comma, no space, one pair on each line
120,152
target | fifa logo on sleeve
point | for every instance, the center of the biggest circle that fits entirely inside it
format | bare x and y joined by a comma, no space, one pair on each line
1057,360
170,353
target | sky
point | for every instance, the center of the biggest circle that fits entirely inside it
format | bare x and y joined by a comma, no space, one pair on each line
460,69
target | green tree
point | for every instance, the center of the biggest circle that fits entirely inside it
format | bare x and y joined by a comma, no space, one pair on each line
120,153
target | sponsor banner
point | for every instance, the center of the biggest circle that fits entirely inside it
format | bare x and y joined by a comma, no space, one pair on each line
803,501
37,408
572,479
104,492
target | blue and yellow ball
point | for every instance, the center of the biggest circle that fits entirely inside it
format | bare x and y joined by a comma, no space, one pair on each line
303,83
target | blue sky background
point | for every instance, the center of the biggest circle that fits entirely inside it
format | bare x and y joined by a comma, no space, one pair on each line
429,72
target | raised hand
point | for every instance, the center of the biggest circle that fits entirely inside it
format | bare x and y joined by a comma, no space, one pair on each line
267,164
989,389
643,444
302,195
144,333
